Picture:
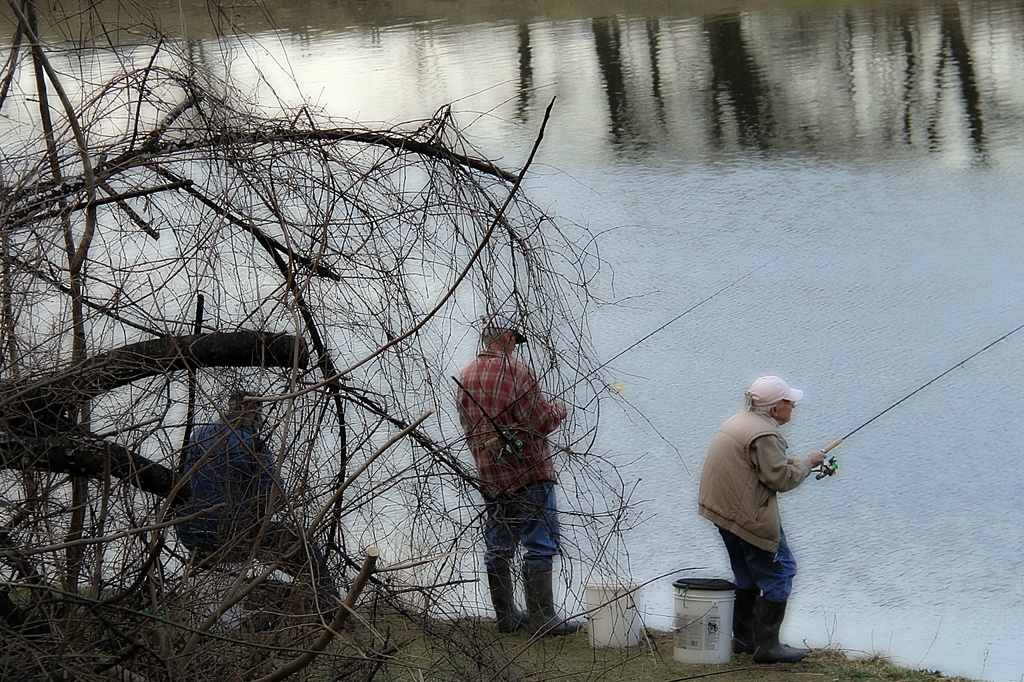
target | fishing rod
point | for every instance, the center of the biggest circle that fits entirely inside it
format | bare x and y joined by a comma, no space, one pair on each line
685,312
513,446
831,466
672,321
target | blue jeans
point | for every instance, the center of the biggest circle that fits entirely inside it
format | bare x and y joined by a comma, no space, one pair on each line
527,517
755,569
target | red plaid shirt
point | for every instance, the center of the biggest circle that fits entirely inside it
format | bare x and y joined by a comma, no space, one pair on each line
510,395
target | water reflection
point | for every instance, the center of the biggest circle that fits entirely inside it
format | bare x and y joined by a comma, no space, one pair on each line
739,94
958,52
844,81
816,83
524,97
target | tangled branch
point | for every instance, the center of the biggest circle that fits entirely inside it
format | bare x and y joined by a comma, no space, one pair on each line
191,244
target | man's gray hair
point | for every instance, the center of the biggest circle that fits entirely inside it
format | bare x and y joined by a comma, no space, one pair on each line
240,402
749,405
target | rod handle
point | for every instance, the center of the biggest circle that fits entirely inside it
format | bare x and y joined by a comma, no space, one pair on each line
831,445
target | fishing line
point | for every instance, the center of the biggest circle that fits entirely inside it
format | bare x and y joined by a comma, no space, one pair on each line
670,322
685,312
830,467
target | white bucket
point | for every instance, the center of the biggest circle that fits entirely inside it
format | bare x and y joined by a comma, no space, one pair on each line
703,620
614,618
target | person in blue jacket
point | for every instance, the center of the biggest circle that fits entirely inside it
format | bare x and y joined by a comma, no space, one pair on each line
227,463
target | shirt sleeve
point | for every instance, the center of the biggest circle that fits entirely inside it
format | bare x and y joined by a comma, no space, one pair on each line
536,415
774,469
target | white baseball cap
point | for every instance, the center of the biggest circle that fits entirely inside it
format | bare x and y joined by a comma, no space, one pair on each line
770,390
507,321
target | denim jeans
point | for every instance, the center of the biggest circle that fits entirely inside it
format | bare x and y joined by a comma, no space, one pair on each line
527,517
755,569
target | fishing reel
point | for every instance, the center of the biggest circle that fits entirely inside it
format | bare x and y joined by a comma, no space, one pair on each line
828,468
511,447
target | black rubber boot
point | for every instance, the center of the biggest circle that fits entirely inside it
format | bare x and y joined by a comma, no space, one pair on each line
768,617
743,638
510,619
540,603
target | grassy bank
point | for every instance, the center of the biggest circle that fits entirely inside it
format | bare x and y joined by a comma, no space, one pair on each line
394,649
573,658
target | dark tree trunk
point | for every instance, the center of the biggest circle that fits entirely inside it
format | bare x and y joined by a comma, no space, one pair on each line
85,454
40,435
40,407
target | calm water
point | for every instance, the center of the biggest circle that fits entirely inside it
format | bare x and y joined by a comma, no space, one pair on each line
871,161
863,165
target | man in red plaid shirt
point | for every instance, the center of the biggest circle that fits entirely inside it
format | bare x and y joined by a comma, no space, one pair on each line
507,421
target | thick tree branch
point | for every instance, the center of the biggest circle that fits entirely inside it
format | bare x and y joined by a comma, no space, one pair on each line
85,454
38,407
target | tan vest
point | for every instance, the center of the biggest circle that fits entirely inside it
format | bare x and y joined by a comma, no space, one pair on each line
738,491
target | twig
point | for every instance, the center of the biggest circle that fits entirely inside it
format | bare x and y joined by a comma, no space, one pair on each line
347,607
111,537
728,671
451,289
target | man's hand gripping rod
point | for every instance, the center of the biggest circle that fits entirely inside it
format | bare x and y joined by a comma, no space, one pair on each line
831,466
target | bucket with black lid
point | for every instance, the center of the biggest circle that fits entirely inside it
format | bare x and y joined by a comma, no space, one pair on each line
703,620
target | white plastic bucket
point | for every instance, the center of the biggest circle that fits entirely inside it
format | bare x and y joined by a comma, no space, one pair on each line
703,620
614,618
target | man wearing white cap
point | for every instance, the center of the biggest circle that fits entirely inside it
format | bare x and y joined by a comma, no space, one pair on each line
746,467
507,421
